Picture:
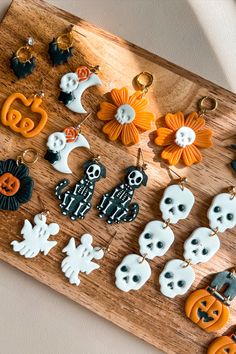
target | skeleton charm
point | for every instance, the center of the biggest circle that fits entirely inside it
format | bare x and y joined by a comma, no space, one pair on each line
36,238
76,202
116,205
79,259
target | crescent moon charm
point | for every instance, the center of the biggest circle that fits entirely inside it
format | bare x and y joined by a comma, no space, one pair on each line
60,144
73,85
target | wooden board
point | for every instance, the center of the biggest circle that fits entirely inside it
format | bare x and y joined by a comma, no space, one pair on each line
146,313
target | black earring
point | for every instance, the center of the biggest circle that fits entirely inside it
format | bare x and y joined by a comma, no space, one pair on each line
61,48
23,61
76,202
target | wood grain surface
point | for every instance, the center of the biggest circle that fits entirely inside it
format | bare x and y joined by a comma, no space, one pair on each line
146,313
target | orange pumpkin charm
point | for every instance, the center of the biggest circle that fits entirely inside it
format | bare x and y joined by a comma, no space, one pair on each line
223,345
13,118
9,184
209,308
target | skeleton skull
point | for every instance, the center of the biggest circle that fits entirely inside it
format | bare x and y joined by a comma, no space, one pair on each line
135,178
185,136
201,246
132,273
93,171
125,114
176,203
176,278
56,141
69,82
155,240
222,212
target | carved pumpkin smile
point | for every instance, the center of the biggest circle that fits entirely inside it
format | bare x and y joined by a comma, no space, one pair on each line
9,184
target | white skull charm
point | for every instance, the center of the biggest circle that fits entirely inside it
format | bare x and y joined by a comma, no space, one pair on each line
132,273
155,240
125,114
185,136
222,212
69,82
176,278
135,178
176,203
201,246
93,171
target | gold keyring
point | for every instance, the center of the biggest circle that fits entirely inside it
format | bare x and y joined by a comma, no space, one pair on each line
187,263
166,223
143,258
65,41
30,151
24,54
148,78
204,109
232,191
214,232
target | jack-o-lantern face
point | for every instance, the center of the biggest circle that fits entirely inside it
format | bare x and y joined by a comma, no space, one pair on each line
223,345
9,184
206,311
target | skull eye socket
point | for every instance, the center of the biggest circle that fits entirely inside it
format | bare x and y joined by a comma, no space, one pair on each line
168,201
181,207
195,242
181,283
132,175
168,275
217,209
160,244
139,179
147,236
90,169
136,278
124,269
205,251
96,173
230,216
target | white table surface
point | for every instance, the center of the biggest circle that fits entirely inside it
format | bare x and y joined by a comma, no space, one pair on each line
199,35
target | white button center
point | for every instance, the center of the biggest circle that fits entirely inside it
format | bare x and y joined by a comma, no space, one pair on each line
125,114
185,136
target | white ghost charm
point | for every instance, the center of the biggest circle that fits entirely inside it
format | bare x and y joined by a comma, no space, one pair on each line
176,203
60,144
73,85
132,273
201,246
155,240
176,278
79,259
36,238
222,212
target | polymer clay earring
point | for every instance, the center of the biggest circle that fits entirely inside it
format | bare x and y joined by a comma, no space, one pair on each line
178,275
60,144
209,308
61,48
126,116
15,119
182,137
35,238
116,205
156,238
23,61
76,202
223,345
73,84
16,185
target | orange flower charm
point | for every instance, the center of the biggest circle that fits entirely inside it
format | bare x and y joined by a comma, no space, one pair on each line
182,138
126,117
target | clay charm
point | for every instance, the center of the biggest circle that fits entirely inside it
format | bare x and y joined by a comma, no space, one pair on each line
12,118
73,85
116,205
223,345
76,202
80,259
60,144
36,237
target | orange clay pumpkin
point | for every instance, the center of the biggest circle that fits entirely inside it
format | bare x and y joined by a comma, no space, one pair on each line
206,311
9,184
13,118
223,345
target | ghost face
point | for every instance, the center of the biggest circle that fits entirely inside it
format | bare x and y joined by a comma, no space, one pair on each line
69,82
125,114
176,203
185,136
155,240
176,278
201,246
132,273
56,142
222,212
